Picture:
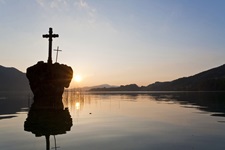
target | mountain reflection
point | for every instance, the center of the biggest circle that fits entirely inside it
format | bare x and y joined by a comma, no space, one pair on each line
11,103
213,102
48,120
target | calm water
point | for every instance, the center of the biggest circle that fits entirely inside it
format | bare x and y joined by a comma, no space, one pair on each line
151,121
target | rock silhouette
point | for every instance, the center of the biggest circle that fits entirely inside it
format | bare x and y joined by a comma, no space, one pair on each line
47,81
47,115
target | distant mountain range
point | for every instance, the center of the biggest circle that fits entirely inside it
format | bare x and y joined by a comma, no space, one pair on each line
12,79
87,88
210,80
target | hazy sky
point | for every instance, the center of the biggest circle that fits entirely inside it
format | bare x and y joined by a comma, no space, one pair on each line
116,41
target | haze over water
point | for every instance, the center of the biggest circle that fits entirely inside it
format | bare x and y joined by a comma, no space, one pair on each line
123,121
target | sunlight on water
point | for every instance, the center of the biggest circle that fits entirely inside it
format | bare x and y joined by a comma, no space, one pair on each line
125,121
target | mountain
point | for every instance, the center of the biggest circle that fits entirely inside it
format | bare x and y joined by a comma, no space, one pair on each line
210,80
130,87
98,86
12,79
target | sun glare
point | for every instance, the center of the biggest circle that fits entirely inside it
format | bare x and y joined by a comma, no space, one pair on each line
77,105
77,78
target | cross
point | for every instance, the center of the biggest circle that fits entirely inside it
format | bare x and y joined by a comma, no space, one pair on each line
50,36
57,50
56,147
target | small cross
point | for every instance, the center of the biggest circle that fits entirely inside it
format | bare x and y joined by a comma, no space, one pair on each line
57,50
50,36
56,147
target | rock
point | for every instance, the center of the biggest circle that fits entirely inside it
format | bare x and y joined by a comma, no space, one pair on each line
47,82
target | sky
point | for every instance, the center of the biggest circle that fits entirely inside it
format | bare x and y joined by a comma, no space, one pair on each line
117,42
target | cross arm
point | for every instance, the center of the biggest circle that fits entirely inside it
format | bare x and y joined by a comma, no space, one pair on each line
55,35
45,36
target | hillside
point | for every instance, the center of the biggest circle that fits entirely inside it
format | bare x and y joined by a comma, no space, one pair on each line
86,88
12,79
130,87
210,80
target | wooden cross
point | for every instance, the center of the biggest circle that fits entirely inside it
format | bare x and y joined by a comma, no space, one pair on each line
56,147
50,36
57,50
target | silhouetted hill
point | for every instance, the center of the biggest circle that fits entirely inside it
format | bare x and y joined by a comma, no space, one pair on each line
98,86
130,87
210,80
12,79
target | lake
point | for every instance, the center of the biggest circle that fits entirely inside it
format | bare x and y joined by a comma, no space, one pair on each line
118,121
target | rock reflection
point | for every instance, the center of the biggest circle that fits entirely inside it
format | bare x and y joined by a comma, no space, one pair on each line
47,122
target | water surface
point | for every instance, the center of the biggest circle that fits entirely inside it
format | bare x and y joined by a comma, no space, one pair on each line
113,121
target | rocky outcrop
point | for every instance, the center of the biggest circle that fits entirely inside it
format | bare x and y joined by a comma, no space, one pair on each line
47,82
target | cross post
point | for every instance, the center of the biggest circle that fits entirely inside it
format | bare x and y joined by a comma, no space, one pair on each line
56,147
57,50
50,36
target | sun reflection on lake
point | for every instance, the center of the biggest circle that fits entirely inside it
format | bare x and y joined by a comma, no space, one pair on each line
77,105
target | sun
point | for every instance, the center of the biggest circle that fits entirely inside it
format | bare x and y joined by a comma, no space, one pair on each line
77,78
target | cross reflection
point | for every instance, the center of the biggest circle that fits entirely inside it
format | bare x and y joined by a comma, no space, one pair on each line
43,121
